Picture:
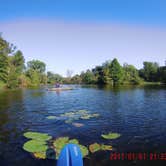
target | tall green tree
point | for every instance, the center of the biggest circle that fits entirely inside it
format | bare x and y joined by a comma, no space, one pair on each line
131,74
37,65
3,60
88,77
116,72
52,78
149,71
35,72
16,65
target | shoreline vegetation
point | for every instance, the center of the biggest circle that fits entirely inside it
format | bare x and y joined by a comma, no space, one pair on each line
14,73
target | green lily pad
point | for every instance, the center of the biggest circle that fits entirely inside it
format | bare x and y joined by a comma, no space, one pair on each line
111,135
94,147
74,141
82,112
87,116
59,143
84,150
51,117
40,155
37,136
106,147
69,121
68,114
35,146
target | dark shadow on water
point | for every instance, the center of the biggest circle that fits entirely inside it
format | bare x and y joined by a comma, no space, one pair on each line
50,154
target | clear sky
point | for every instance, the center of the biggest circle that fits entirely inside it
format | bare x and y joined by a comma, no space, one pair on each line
80,34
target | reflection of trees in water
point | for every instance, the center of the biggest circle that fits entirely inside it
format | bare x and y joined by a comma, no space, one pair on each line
7,126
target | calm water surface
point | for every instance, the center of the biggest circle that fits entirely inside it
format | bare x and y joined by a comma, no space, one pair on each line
137,113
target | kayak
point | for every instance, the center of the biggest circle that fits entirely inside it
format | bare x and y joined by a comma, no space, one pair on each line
59,89
70,156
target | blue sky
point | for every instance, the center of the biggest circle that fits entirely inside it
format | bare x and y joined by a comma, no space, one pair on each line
80,34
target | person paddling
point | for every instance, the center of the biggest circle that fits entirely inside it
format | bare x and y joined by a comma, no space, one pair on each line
57,85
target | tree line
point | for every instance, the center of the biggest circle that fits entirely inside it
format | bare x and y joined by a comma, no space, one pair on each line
15,73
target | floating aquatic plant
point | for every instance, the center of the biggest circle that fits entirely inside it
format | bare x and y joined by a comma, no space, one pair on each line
94,147
106,147
59,143
111,135
37,136
74,141
40,155
51,117
80,114
84,150
34,146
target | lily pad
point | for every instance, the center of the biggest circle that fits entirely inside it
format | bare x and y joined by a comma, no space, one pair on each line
68,114
111,135
87,116
94,147
35,146
37,136
59,143
74,141
40,155
106,147
82,112
51,117
84,150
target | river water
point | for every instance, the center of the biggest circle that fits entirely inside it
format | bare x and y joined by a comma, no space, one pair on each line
137,113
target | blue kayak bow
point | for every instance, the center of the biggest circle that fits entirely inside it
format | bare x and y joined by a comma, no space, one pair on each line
70,156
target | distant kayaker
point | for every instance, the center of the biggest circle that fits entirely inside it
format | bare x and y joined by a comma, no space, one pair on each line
57,85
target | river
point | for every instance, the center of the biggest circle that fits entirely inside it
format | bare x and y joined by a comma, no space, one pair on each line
137,113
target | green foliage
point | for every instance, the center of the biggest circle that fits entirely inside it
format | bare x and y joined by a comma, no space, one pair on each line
35,146
80,114
162,74
3,67
88,77
35,72
106,147
131,74
149,71
111,135
37,66
52,78
51,117
94,147
116,72
37,136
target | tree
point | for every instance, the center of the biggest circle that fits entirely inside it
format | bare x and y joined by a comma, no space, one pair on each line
35,71
162,74
76,79
52,78
149,72
37,66
116,71
3,60
131,74
16,65
88,77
